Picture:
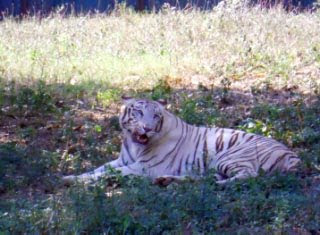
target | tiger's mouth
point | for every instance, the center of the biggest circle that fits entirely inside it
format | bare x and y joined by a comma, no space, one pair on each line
141,139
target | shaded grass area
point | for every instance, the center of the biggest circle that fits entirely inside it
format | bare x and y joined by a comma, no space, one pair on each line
265,204
55,130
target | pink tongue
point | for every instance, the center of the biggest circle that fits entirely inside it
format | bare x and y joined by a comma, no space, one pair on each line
142,138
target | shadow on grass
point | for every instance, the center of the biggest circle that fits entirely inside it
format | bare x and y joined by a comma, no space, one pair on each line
49,131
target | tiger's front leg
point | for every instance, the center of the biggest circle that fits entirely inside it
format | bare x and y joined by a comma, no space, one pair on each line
91,175
105,170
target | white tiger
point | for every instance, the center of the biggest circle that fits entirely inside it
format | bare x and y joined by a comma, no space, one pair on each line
160,145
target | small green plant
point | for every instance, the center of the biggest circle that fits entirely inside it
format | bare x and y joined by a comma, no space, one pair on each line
226,83
33,98
189,111
97,128
161,90
105,98
28,132
199,111
257,127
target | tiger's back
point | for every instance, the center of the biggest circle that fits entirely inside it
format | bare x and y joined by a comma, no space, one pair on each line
233,153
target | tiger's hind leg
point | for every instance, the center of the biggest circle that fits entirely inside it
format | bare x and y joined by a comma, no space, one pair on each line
242,174
220,177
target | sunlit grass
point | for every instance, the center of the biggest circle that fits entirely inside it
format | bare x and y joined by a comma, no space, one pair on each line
126,48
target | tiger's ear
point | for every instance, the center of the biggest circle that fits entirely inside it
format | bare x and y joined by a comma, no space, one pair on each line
163,102
127,99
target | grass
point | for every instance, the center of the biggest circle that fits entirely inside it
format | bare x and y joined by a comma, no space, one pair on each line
135,50
61,81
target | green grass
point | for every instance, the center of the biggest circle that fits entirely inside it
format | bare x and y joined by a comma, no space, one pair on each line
61,81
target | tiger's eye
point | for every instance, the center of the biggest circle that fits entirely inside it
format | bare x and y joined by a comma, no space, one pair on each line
137,113
156,116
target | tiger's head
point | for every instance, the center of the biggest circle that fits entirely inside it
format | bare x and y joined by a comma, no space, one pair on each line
142,119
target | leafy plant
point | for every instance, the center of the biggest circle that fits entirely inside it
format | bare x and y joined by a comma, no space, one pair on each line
161,90
107,97
199,111
226,83
257,127
32,98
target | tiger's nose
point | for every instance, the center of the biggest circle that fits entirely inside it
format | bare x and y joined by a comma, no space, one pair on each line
146,128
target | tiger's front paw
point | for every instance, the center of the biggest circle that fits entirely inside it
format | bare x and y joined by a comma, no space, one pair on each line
164,180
